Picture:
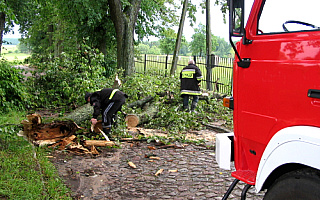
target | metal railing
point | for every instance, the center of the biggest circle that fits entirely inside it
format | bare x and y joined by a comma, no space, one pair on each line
216,71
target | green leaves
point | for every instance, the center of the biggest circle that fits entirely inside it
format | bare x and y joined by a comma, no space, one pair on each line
65,80
169,116
13,93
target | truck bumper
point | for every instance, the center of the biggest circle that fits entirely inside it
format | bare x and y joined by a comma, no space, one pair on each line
224,150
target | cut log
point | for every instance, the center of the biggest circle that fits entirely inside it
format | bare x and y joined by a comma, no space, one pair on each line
98,143
132,120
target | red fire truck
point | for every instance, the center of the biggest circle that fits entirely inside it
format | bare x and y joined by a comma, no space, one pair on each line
275,145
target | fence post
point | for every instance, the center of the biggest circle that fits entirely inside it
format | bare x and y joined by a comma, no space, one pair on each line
209,67
166,66
145,63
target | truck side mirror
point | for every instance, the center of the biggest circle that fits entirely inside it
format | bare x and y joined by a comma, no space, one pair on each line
236,18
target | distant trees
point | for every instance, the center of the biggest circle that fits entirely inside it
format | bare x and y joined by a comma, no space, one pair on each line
222,48
167,41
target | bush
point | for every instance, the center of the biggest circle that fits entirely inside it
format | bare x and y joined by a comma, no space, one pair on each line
13,92
66,79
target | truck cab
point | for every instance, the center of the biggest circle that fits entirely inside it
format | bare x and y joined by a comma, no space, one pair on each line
276,98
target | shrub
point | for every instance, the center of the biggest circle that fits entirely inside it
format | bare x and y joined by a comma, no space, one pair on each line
13,92
65,80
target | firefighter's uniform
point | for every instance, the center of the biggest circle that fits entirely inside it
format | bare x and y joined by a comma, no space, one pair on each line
108,102
190,78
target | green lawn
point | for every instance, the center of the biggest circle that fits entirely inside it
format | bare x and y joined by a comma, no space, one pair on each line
10,53
26,172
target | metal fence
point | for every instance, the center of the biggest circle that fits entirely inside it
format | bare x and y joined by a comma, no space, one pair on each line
216,71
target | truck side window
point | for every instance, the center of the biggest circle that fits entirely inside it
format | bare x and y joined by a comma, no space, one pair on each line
294,15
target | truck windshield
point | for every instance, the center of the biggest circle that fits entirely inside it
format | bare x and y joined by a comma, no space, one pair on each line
280,16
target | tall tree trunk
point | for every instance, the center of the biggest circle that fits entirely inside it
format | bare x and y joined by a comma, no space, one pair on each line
208,45
179,36
2,26
124,20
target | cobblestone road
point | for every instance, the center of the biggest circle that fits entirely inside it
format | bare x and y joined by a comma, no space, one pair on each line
189,172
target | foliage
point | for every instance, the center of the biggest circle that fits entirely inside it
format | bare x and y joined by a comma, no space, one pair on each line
223,49
13,92
198,43
169,116
8,8
167,41
24,175
155,16
65,79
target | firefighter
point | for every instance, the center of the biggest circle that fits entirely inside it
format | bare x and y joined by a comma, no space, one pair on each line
190,78
107,102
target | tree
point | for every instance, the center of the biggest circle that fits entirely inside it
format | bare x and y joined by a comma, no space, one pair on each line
178,40
143,48
198,43
62,25
125,16
167,41
223,49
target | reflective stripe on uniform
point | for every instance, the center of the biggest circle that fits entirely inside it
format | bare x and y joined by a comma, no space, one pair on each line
112,93
188,73
199,78
190,92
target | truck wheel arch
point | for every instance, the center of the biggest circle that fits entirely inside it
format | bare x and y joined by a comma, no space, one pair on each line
289,149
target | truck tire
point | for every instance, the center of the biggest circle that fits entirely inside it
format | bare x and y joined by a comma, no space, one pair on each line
297,185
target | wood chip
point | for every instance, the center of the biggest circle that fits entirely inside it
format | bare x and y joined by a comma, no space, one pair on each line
173,170
154,158
131,164
151,148
159,172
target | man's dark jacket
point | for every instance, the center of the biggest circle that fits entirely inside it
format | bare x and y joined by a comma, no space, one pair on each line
190,78
101,99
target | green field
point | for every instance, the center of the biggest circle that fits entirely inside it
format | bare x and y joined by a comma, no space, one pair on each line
10,53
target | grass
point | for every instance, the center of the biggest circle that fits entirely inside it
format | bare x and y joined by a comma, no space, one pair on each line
10,53
25,171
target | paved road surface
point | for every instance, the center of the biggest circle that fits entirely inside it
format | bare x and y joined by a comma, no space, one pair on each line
189,172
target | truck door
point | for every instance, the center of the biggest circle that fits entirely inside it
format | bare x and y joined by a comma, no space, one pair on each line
281,87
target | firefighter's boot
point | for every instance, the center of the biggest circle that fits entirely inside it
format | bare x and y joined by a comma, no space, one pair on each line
193,107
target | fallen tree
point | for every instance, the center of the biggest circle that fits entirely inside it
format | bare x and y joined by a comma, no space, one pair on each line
57,133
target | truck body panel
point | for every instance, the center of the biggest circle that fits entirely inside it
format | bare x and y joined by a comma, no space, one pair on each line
272,93
276,89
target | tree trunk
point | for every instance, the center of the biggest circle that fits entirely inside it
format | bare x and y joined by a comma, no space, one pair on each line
208,46
81,114
179,36
2,26
124,20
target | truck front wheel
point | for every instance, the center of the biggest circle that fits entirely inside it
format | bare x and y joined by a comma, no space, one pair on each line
296,185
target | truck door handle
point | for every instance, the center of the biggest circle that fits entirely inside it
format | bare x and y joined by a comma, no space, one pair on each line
313,93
